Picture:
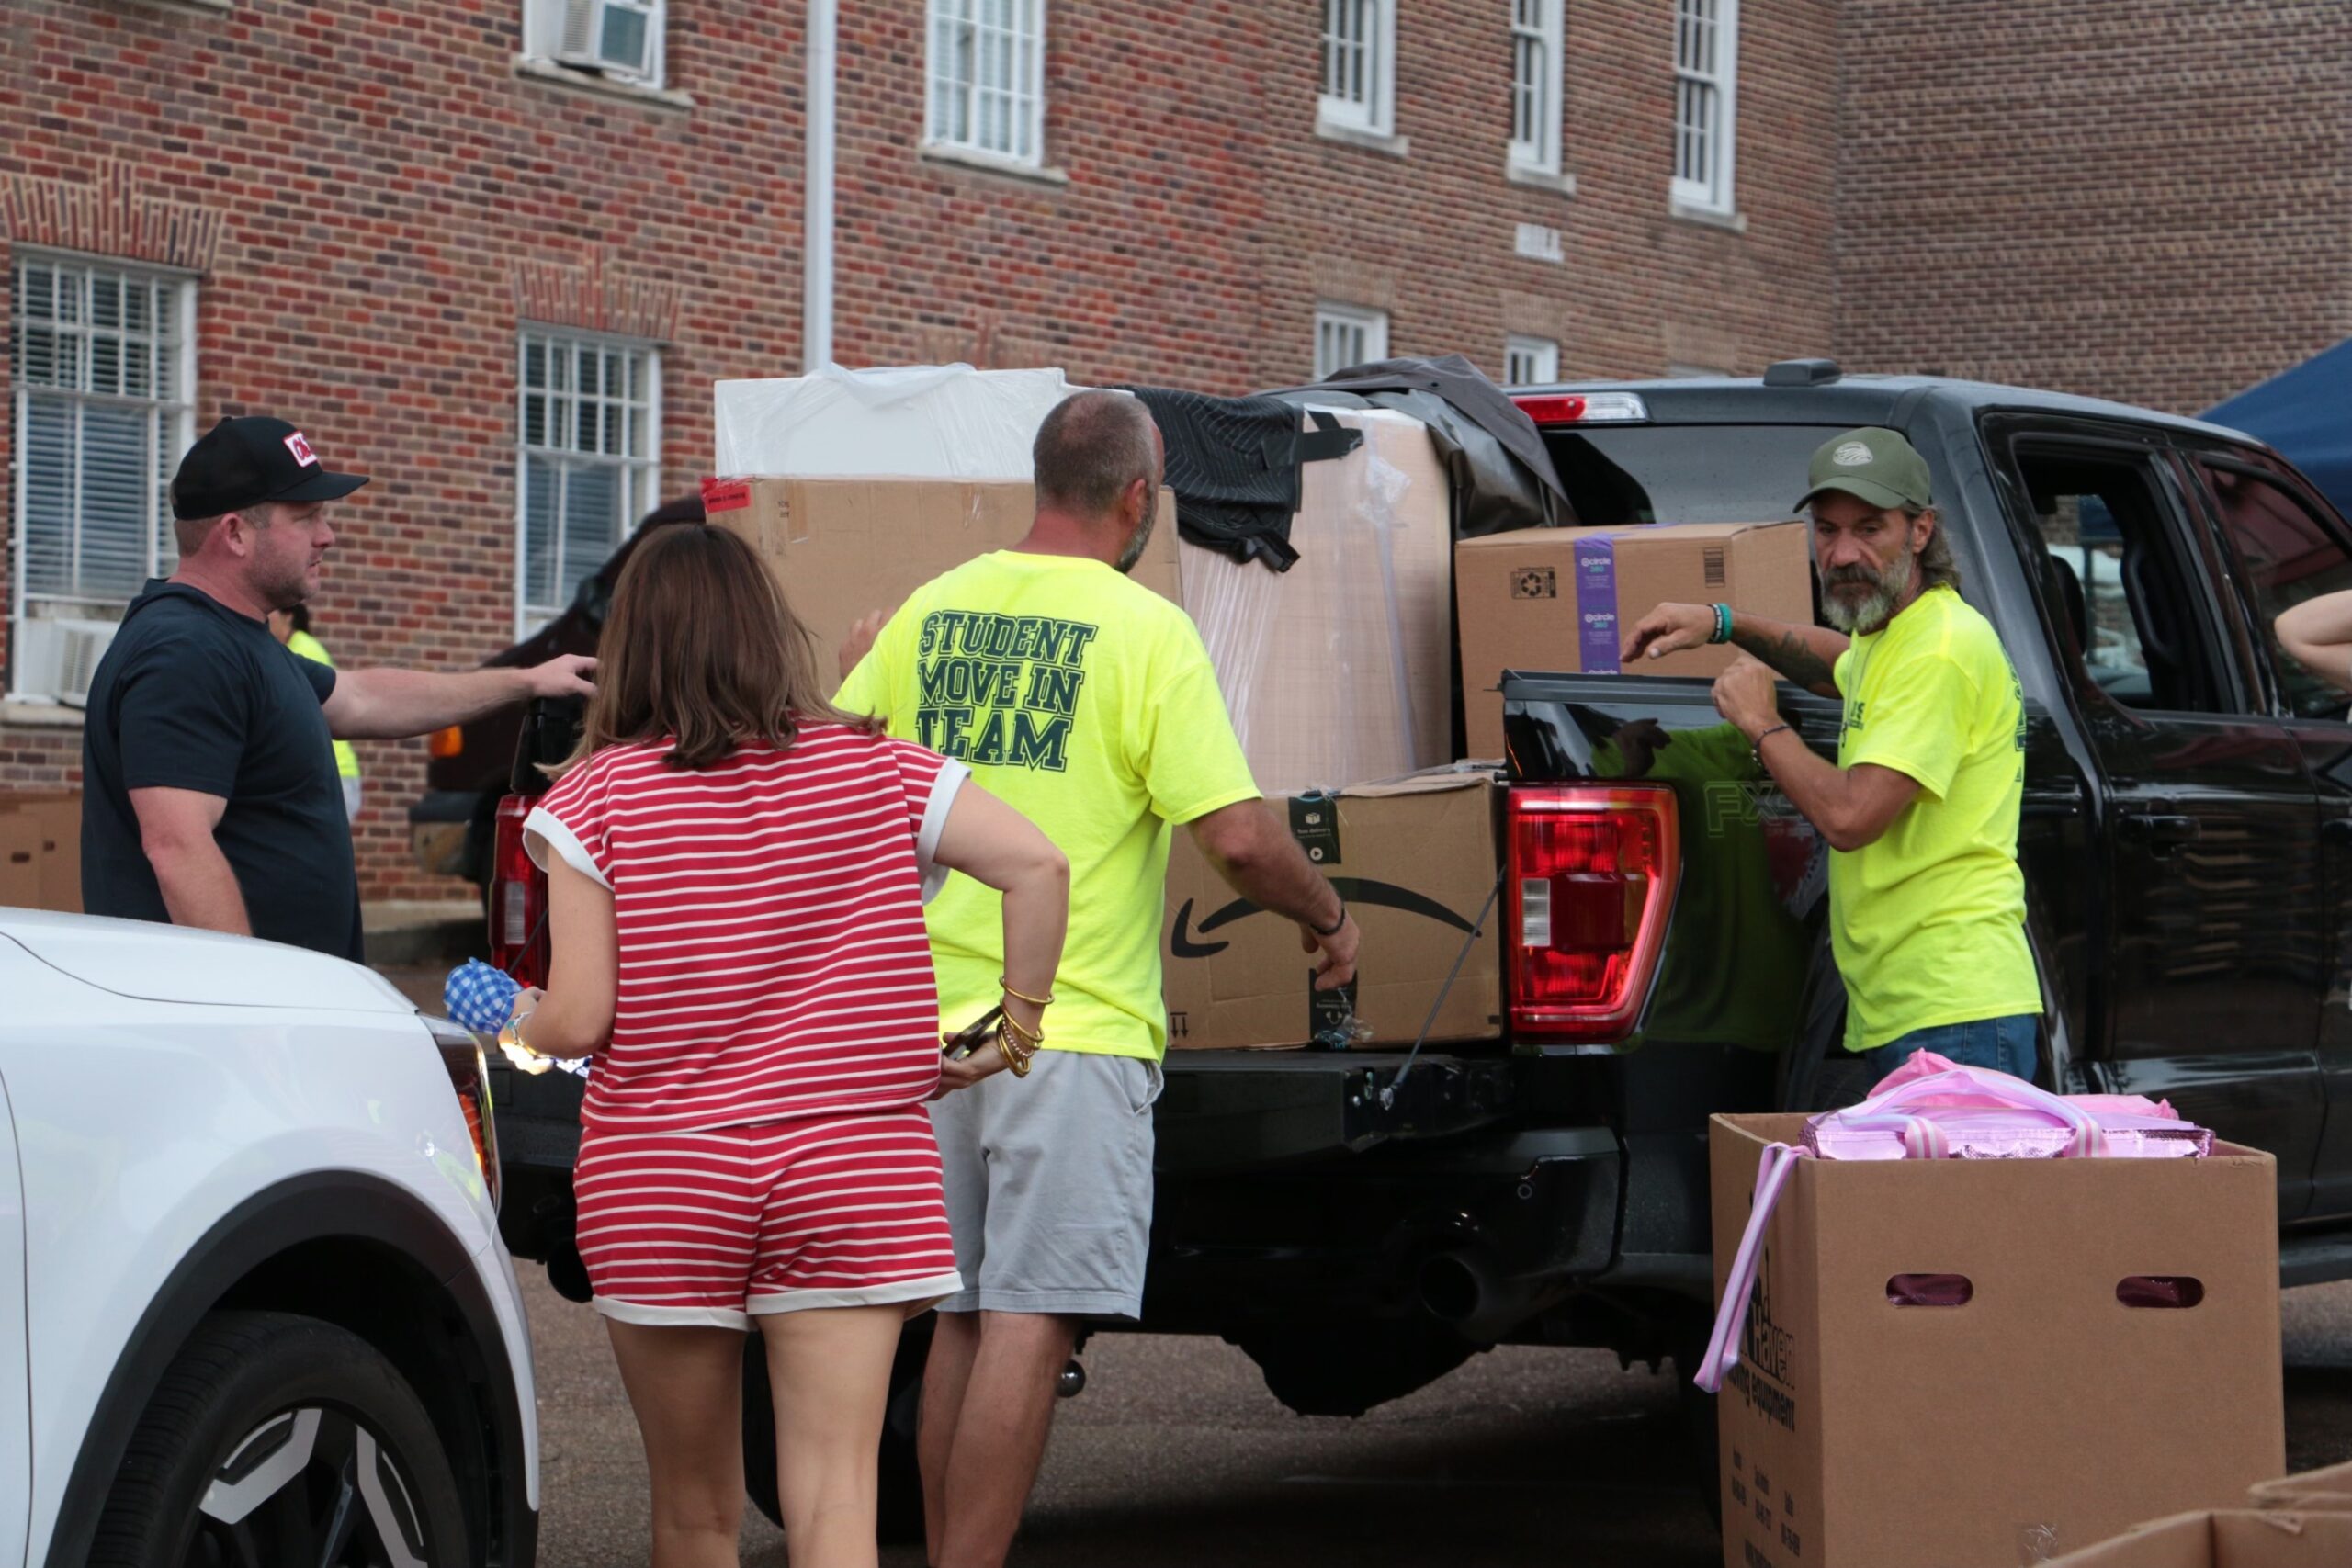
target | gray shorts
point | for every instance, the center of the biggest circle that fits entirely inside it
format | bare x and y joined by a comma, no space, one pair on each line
1049,1186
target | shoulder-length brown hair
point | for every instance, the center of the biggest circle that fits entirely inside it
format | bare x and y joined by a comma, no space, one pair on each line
700,648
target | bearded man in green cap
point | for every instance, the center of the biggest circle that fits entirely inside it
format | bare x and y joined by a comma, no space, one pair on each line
1927,906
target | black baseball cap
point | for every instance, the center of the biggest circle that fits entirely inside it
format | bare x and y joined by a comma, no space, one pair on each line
243,462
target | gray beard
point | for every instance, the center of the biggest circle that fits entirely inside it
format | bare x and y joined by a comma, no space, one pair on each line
1878,606
1134,552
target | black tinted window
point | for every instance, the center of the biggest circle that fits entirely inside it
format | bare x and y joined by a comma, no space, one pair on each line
2289,556
1621,475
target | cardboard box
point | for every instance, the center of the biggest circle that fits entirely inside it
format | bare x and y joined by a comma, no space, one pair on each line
1343,667
845,546
2041,1415
2326,1491
19,863
1562,599
2232,1539
1415,859
56,817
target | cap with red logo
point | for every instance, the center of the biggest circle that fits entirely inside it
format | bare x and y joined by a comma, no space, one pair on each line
243,462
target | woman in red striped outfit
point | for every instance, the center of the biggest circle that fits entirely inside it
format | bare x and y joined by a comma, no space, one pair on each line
736,875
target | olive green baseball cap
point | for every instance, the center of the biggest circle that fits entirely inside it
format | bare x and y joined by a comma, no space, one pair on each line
1877,467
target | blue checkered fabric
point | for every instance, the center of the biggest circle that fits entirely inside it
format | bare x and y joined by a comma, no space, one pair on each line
477,996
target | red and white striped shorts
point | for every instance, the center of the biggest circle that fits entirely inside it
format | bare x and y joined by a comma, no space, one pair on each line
707,1228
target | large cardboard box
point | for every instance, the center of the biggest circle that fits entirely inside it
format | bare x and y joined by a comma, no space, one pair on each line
2040,1416
1343,667
56,820
1563,599
845,546
2224,1540
1414,858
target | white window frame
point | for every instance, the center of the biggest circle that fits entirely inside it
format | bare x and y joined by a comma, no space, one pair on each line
1706,71
170,432
1358,74
1338,326
988,117
1531,361
1538,36
543,31
640,469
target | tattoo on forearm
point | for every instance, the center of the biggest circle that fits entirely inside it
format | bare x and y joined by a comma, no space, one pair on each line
1791,656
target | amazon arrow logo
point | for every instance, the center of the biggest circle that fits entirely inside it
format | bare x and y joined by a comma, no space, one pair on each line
1387,894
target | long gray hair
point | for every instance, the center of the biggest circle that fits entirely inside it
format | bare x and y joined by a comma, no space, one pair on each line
1936,569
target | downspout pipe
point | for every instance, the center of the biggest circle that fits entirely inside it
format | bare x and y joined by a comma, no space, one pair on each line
817,228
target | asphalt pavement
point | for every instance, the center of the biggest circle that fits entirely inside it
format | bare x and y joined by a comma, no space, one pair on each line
1175,1454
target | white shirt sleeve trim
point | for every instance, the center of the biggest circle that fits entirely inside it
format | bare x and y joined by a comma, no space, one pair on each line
542,832
952,775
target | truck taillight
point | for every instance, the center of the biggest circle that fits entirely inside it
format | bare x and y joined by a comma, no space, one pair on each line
1593,869
518,893
448,742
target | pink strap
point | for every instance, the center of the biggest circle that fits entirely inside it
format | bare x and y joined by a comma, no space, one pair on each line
1731,1313
1922,1139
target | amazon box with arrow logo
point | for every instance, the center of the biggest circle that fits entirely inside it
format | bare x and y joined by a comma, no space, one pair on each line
1415,859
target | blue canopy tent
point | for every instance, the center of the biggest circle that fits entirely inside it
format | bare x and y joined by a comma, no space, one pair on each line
2306,413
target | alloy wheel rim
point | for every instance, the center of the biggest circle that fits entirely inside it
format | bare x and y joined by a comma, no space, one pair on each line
310,1486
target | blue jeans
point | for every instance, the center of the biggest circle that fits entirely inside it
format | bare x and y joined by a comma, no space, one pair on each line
2005,1044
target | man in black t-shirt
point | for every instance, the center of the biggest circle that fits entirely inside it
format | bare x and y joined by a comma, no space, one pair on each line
209,792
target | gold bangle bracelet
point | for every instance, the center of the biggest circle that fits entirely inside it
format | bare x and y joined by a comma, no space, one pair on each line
1013,1059
1028,1037
1006,987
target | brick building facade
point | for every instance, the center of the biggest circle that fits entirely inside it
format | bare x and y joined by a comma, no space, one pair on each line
2149,200
371,204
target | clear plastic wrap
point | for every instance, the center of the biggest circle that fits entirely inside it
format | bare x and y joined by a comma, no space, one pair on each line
928,422
1340,669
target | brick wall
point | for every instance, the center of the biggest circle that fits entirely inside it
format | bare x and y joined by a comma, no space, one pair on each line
387,195
2143,200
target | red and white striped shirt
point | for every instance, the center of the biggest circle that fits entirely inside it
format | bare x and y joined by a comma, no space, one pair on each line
773,957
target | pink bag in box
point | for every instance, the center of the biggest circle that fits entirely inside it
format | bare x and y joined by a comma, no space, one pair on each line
1929,1108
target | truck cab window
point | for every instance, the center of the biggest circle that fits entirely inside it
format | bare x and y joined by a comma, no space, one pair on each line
2285,554
1622,476
2110,573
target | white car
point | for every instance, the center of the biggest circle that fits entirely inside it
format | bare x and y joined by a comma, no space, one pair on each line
253,1308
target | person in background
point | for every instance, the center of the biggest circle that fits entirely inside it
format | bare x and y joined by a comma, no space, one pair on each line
736,874
2317,634
293,627
1088,702
209,792
1926,905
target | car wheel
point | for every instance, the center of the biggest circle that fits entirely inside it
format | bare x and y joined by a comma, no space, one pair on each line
898,1490
276,1440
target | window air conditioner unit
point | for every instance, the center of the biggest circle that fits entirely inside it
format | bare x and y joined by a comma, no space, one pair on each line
620,37
58,659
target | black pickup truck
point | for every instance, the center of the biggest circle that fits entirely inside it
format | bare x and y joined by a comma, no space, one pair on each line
1359,1227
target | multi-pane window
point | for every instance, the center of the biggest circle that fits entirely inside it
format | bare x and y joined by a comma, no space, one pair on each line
621,40
104,370
589,422
986,72
1529,361
1536,55
1706,55
1347,335
1359,64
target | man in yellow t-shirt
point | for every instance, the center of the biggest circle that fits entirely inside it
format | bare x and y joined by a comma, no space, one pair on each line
1085,702
1926,905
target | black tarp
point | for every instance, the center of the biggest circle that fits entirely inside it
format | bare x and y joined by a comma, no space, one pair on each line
1233,463
1502,473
